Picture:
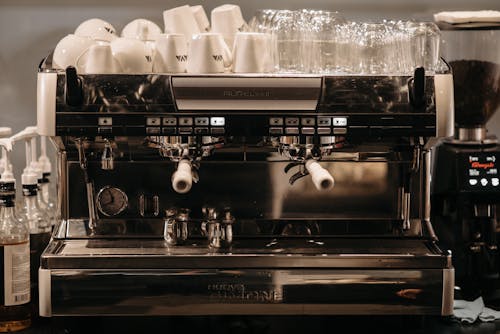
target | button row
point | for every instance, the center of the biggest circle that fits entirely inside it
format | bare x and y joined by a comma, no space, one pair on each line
484,182
184,131
307,121
185,121
306,131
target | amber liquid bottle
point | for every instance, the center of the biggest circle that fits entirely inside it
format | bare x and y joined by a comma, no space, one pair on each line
15,309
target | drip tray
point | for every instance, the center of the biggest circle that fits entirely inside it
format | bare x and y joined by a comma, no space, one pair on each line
246,253
320,276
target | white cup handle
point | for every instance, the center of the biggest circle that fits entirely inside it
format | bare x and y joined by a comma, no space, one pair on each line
227,56
81,60
118,66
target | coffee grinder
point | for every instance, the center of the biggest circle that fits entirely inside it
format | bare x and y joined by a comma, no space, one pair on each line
466,178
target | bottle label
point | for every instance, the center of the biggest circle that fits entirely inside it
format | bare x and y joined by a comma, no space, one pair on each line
15,274
7,200
30,190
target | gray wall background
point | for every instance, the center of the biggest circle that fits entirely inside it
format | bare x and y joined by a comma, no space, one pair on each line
29,29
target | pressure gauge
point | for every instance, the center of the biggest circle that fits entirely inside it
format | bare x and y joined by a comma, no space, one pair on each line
111,201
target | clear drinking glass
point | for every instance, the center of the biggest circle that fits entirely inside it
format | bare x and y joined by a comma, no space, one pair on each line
375,48
432,42
261,21
289,31
325,46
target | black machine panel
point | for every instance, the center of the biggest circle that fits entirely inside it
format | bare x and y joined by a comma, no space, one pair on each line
349,106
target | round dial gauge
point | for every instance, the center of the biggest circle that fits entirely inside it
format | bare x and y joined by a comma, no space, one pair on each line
111,201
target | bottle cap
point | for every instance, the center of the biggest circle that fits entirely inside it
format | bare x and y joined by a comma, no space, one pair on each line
29,178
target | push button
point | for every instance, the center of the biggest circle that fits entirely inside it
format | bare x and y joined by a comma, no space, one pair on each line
275,131
105,121
201,131
324,131
308,121
275,121
169,131
201,121
152,121
185,131
340,121
184,121
217,131
153,131
217,121
170,121
339,131
324,121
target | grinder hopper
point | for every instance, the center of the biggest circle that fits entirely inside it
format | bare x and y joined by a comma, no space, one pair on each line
473,52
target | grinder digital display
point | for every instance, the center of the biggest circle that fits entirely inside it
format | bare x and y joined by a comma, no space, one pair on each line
481,172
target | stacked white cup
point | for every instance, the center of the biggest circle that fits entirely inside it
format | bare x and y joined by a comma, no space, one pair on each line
72,46
190,43
228,20
144,30
208,53
252,53
170,54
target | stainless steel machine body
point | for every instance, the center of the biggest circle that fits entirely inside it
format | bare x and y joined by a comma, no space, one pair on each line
241,194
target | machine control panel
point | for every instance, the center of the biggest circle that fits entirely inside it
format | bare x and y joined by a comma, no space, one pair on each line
481,171
243,124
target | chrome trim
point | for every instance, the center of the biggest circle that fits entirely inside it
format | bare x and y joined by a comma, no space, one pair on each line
46,103
246,291
426,200
445,105
246,253
156,205
142,205
448,291
477,134
62,185
44,293
246,93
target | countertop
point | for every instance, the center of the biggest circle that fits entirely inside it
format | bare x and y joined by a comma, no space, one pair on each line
259,324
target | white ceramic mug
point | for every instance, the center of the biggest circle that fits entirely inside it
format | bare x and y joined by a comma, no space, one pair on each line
170,54
96,29
252,53
132,54
227,20
201,18
142,29
208,53
98,59
68,49
180,20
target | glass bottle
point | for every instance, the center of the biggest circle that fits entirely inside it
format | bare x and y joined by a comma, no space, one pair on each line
46,190
47,207
15,309
40,230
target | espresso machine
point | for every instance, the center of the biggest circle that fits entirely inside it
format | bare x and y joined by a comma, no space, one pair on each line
234,194
466,186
